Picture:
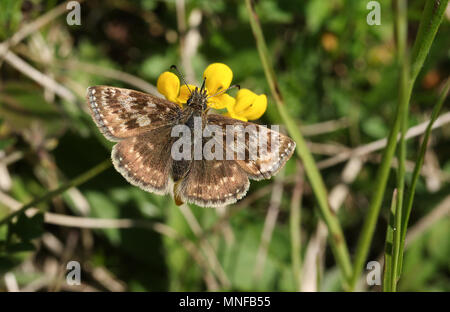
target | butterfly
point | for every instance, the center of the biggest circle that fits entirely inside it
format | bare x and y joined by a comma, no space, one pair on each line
143,124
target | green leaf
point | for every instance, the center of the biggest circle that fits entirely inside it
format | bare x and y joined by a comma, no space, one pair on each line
375,127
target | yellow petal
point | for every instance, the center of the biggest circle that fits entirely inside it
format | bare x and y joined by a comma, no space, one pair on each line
244,100
257,109
250,105
184,94
234,116
231,113
168,85
218,77
221,101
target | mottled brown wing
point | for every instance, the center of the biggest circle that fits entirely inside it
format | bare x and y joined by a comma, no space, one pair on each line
268,158
145,160
213,183
123,113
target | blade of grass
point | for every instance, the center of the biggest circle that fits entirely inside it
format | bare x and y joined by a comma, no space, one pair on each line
84,177
337,240
416,172
430,21
387,275
401,25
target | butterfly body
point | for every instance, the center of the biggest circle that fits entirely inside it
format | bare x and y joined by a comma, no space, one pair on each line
194,109
143,127
181,167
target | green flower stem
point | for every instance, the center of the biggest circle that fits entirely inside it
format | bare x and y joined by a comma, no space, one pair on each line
86,176
430,21
337,240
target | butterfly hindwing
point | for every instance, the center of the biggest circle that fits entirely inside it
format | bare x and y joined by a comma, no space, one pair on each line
145,160
266,151
213,183
122,113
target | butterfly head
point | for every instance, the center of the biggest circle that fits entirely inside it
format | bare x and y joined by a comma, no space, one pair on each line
198,99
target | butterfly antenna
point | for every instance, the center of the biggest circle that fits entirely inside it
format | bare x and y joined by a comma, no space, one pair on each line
180,75
203,84
223,91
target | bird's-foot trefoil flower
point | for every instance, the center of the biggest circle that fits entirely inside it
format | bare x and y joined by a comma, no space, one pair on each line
247,106
218,76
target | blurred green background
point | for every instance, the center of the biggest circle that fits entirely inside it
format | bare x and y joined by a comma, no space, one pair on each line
332,67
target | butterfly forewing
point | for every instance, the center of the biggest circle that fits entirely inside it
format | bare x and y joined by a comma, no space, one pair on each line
122,113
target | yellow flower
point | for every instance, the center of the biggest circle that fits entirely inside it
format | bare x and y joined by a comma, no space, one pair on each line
168,85
218,77
184,94
248,105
